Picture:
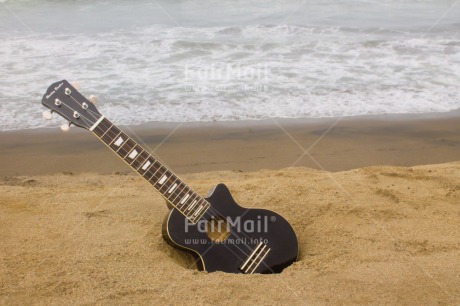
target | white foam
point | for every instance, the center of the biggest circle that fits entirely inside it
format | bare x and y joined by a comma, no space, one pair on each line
140,74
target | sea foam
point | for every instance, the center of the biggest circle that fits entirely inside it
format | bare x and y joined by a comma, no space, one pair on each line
254,71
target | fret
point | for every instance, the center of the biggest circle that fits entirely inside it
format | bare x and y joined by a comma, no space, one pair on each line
106,131
180,188
182,197
157,176
190,200
174,180
167,182
132,154
180,208
192,203
120,143
154,174
187,195
135,159
126,148
110,135
115,138
96,124
171,190
198,210
201,210
102,128
177,192
163,177
146,163
195,207
142,170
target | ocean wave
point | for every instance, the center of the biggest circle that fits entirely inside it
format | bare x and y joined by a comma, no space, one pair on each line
171,73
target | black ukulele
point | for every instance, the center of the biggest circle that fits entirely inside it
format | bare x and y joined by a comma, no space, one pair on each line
222,235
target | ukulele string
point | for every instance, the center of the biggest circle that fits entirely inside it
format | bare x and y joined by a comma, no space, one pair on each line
210,208
87,120
88,110
235,244
210,211
196,195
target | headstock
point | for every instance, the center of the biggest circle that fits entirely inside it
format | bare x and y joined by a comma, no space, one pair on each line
64,99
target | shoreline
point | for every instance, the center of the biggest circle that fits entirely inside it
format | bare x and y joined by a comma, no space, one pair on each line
268,121
335,144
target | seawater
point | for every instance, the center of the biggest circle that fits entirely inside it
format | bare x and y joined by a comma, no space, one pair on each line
224,60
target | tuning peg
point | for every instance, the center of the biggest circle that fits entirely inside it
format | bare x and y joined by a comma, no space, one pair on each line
65,127
48,115
93,99
76,85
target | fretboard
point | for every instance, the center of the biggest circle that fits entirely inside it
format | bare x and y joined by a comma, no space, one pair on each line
174,190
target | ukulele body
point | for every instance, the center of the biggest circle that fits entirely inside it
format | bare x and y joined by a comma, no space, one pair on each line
256,240
252,241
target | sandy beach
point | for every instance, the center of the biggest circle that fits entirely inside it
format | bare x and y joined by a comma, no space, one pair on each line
377,235
341,116
376,225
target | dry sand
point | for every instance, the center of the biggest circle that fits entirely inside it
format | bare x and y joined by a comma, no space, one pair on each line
376,235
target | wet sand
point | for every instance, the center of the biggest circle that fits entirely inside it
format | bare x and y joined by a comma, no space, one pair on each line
328,144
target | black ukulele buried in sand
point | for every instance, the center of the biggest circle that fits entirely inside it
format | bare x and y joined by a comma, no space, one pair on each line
222,235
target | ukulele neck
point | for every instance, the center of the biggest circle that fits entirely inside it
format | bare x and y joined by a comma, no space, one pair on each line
173,189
